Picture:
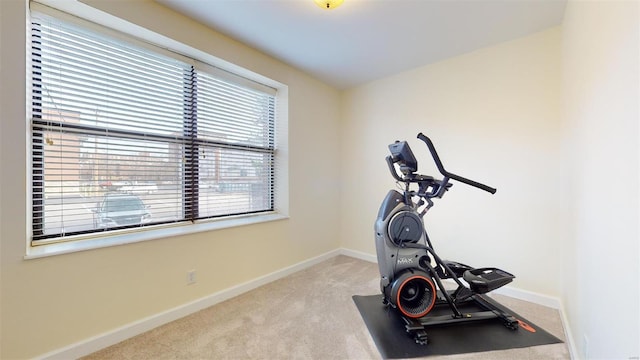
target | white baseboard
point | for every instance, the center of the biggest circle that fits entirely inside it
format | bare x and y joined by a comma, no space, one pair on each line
568,335
545,300
93,344
359,255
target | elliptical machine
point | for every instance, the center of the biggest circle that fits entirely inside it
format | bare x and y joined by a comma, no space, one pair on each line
411,272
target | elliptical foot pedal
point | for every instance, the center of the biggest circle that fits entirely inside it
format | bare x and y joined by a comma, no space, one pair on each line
484,280
456,268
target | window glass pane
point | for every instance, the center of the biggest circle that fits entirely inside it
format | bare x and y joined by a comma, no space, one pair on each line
234,181
81,171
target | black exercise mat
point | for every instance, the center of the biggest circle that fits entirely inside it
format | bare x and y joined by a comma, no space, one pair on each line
388,332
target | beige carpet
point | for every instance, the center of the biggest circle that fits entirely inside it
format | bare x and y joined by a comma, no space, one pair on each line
307,315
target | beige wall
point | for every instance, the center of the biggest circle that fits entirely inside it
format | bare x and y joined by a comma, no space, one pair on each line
494,116
601,87
561,220
53,302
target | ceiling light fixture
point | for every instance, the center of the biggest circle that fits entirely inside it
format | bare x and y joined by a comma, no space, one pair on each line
328,4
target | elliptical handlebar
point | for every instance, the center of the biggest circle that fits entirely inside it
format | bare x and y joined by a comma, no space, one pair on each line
447,174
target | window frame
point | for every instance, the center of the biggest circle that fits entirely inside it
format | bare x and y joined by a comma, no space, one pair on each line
92,240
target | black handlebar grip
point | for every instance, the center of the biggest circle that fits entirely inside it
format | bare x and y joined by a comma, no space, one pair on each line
434,153
473,183
444,172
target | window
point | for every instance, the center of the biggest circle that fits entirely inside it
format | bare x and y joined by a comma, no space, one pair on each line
126,136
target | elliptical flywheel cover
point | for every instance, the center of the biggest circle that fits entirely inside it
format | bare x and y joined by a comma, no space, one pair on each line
405,226
413,293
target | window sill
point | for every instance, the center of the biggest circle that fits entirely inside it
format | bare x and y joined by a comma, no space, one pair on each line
35,252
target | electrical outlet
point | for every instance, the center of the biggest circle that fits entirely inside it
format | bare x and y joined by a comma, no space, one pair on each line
191,277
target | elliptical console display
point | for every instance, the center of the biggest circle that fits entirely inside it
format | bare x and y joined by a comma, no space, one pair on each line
411,272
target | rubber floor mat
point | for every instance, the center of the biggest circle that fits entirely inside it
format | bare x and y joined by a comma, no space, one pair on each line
388,332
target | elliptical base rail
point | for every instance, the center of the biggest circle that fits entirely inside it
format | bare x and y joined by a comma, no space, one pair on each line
418,327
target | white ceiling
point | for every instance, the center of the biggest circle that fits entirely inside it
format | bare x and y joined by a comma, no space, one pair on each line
363,40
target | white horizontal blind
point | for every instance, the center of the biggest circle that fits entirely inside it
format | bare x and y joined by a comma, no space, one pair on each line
236,138
123,137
